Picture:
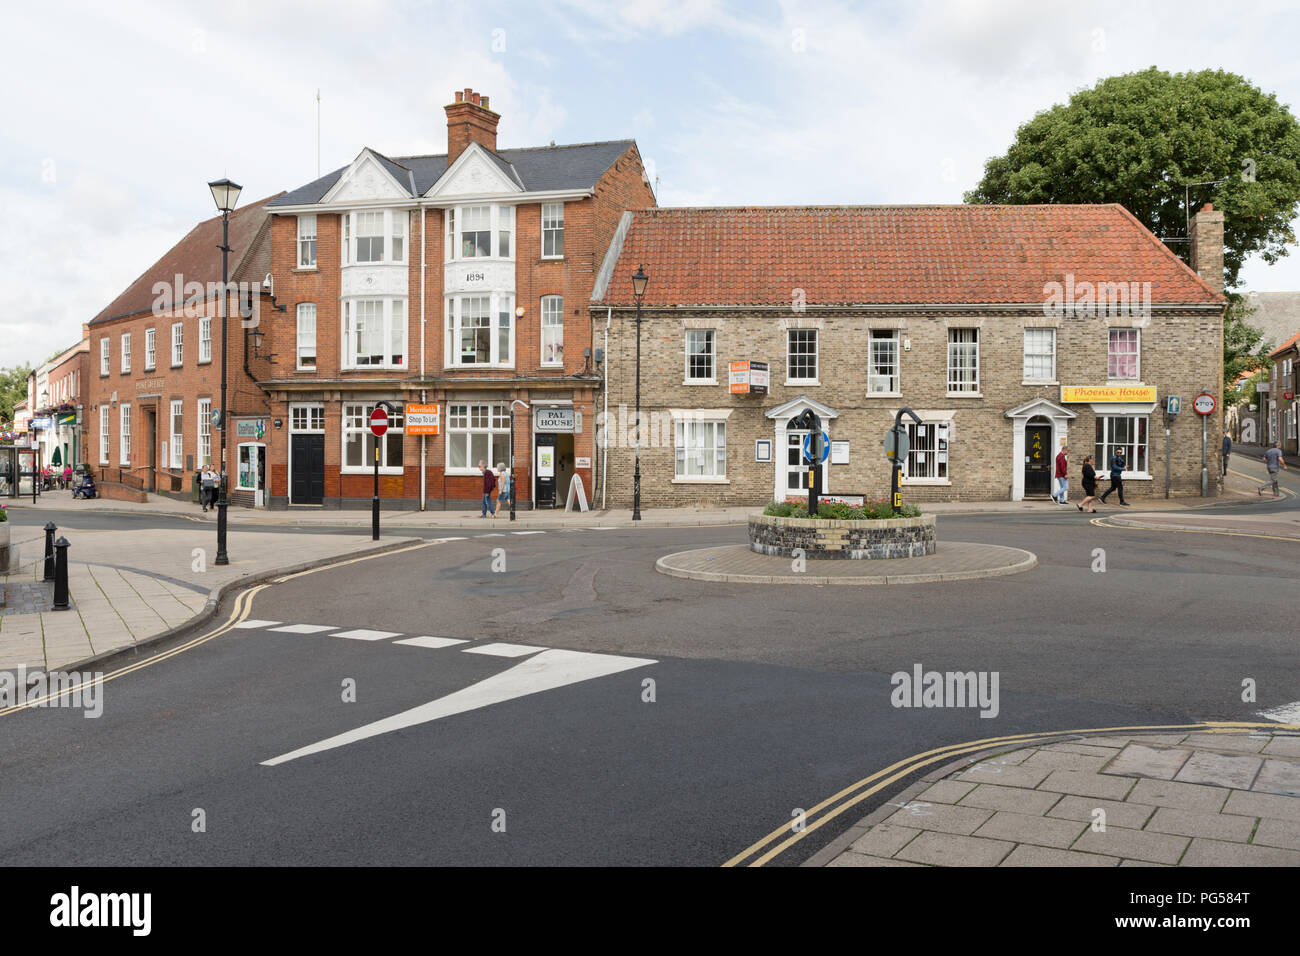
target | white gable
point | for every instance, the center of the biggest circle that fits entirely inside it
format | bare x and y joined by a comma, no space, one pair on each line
474,173
366,179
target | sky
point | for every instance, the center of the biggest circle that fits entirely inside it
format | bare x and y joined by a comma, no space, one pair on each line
117,115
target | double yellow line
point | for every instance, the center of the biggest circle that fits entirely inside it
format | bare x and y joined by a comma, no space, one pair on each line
850,796
238,614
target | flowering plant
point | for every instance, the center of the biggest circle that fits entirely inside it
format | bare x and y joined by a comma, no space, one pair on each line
4,515
871,509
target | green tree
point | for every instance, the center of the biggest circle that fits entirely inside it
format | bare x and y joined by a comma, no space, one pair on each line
1244,347
13,389
1137,139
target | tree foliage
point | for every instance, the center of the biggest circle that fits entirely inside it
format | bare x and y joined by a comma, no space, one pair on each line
13,389
1136,139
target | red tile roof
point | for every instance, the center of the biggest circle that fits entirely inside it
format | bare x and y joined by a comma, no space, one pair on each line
196,258
861,255
1285,345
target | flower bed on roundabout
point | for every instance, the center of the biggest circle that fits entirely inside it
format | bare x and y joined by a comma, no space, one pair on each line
866,532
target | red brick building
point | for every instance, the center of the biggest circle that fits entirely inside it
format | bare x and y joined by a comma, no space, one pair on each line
460,281
154,367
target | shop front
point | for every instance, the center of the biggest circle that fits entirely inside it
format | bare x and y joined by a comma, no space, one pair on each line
249,485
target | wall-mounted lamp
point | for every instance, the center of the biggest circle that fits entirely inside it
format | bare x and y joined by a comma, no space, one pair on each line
279,423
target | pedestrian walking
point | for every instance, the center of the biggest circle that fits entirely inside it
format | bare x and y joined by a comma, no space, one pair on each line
489,486
1274,462
1116,465
498,493
1227,450
207,487
1062,473
1089,480
506,481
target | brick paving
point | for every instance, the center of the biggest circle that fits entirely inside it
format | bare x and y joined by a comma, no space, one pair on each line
952,561
1034,806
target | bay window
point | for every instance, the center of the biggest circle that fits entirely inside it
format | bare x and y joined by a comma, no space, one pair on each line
374,333
1126,432
700,449
552,330
476,433
373,236
359,442
480,232
480,330
476,232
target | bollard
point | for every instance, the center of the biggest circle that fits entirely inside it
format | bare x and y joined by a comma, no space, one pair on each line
61,575
50,528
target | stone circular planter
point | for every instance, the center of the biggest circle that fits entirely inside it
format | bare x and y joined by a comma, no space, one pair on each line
861,540
4,546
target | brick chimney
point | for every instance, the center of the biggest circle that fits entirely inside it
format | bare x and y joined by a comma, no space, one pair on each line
470,121
1207,246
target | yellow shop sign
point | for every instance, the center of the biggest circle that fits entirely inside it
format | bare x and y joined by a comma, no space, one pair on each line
1107,393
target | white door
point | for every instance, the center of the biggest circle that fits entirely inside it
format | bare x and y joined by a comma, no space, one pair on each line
794,470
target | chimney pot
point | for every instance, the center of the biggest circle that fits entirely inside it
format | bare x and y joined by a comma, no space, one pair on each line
474,98
1209,207
485,102
460,97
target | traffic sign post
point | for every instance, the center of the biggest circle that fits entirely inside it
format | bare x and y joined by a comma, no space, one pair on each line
378,428
1204,405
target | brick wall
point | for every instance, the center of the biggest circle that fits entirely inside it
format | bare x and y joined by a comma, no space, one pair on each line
1180,354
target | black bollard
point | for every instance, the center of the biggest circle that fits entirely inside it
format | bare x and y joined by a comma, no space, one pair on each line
50,528
61,575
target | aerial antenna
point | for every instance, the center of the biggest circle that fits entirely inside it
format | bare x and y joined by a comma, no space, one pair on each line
318,132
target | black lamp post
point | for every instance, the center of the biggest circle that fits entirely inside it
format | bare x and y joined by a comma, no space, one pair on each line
225,194
639,281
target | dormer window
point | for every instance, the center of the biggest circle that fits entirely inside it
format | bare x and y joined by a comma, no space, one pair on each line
374,236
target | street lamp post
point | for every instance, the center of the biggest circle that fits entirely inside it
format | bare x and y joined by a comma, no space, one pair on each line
225,194
514,477
639,281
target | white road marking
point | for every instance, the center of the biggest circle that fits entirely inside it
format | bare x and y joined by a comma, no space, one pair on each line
548,670
449,539
493,534
528,532
251,625
305,628
1286,714
503,650
363,635
431,641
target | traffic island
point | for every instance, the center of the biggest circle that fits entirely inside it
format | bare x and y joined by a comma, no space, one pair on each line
950,561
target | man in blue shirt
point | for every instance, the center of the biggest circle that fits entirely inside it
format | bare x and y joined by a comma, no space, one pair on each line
1116,477
1274,462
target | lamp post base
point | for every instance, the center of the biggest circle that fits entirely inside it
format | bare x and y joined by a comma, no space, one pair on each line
222,557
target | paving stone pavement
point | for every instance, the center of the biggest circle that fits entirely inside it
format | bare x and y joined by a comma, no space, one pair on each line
952,561
128,587
1229,798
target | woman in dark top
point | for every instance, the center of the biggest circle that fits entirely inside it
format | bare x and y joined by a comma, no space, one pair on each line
1089,484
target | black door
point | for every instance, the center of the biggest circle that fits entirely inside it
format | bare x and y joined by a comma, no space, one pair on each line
545,469
307,483
1038,460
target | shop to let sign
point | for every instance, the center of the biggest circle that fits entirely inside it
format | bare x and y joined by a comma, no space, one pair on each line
423,419
747,378
1108,393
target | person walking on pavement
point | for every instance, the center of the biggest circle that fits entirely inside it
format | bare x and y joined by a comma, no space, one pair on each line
505,480
1227,450
1062,474
207,486
1089,485
1274,462
498,493
1116,477
489,486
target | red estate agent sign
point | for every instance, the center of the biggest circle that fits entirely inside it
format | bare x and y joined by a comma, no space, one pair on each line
378,422
1203,404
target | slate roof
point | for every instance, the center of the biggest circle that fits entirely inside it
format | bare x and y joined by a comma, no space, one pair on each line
1276,314
536,169
860,255
197,258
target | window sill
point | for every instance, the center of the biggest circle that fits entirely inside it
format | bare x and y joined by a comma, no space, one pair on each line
481,366
151,368
312,369
1039,381
371,368
921,482
700,381
204,362
701,481
884,394
800,382
965,395
556,367
306,269
551,259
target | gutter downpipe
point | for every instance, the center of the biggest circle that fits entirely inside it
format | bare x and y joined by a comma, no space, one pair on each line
604,445
424,221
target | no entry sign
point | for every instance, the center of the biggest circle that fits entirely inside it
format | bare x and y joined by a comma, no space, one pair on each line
1203,404
378,422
